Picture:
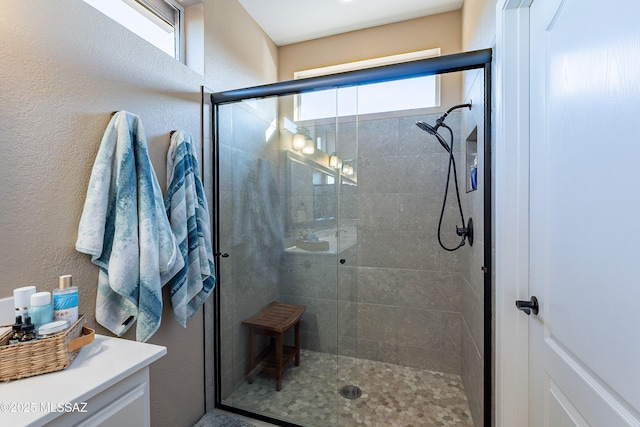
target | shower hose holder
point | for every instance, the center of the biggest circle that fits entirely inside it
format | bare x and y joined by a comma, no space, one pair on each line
466,232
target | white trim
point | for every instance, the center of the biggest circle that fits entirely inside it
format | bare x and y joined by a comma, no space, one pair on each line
148,22
367,63
167,14
512,212
159,12
179,33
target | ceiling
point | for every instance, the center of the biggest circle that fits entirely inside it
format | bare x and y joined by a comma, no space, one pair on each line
293,21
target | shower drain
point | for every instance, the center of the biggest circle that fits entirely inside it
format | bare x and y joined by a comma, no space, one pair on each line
350,392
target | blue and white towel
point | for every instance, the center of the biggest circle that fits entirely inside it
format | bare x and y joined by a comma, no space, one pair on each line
188,213
257,222
126,231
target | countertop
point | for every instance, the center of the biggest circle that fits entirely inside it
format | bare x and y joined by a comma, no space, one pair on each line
99,365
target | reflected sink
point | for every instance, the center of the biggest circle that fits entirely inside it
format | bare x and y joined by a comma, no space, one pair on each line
347,237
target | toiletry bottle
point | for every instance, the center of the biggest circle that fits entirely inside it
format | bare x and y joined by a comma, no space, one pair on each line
22,299
16,331
51,329
473,175
65,300
41,309
28,331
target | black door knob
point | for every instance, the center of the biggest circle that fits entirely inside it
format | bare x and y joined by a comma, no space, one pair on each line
528,306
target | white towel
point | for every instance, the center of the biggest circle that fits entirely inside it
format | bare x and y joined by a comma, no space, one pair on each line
187,209
126,231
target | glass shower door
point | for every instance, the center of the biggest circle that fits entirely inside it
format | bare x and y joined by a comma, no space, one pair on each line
339,210
279,224
250,231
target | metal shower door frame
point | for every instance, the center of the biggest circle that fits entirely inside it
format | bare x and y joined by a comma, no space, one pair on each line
480,59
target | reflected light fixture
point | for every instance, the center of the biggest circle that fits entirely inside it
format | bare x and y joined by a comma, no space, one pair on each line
309,146
347,168
299,141
334,161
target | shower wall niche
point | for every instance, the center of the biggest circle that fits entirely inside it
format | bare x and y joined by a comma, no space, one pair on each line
358,247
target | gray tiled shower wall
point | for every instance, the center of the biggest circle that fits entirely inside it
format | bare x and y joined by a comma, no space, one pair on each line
398,297
472,345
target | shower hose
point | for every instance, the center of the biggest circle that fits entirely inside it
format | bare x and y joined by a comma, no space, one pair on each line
452,165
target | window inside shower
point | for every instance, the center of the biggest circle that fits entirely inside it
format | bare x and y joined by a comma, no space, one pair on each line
394,95
393,331
384,97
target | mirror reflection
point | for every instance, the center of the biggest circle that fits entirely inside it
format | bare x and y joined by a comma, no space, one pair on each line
312,190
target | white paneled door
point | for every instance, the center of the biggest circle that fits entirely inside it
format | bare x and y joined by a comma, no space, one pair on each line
585,213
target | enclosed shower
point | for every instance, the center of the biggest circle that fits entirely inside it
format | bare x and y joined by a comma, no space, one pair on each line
332,206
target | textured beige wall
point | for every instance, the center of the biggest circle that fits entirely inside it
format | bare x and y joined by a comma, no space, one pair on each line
478,24
443,30
64,68
238,53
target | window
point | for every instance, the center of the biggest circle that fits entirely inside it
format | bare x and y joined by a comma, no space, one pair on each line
157,21
406,94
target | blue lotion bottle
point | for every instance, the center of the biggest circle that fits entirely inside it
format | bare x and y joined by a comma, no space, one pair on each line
41,309
65,300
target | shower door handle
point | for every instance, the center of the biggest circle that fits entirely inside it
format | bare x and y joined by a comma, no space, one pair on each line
528,306
222,254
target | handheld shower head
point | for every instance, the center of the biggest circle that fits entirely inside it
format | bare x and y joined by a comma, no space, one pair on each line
433,130
427,127
466,232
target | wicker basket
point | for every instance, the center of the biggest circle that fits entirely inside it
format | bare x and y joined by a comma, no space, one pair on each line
44,355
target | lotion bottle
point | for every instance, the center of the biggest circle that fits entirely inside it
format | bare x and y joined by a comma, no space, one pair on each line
65,300
22,299
41,309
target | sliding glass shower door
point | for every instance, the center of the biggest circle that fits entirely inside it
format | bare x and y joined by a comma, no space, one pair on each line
280,209
330,203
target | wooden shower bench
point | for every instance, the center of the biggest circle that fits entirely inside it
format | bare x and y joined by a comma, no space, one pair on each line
274,321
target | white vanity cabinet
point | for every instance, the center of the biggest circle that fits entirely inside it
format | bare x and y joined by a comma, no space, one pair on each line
106,385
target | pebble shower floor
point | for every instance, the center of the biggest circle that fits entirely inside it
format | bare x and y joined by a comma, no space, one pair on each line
392,395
